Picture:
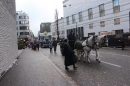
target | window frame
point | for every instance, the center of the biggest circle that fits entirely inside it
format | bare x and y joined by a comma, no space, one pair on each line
80,17
102,24
91,26
73,18
101,10
67,20
117,21
90,13
116,8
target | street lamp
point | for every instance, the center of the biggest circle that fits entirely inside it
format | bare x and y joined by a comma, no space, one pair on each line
76,31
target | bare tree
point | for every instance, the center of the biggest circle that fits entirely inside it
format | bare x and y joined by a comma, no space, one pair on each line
56,23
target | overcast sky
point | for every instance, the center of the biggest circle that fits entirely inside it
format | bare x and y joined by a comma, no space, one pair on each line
40,11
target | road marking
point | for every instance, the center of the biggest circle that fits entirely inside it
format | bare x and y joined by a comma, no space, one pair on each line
110,64
113,54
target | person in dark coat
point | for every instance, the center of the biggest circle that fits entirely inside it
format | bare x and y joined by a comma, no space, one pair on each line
71,38
55,45
34,46
123,43
37,45
69,56
50,46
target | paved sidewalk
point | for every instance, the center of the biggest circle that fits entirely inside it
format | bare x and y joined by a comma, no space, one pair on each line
35,69
20,51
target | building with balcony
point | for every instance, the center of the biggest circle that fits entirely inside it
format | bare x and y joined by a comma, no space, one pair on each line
95,17
23,30
8,35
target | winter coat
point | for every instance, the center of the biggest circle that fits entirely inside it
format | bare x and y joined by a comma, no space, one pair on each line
50,44
54,43
70,59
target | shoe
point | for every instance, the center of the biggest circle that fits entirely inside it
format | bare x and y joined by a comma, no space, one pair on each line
66,68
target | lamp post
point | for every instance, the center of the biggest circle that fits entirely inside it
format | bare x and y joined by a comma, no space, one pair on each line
76,31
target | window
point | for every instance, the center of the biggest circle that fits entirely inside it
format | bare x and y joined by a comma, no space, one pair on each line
117,21
23,22
73,19
63,32
116,6
21,33
90,13
23,17
80,17
67,20
101,10
24,33
102,23
90,26
23,28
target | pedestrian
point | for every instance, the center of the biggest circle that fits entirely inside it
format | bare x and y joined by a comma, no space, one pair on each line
50,46
37,45
34,45
71,38
55,45
70,59
123,43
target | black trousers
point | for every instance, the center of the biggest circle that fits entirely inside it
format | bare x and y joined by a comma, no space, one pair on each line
54,48
50,49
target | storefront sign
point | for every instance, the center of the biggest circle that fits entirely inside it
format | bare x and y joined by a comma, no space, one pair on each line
108,33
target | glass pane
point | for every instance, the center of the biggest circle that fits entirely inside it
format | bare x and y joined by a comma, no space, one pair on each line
116,2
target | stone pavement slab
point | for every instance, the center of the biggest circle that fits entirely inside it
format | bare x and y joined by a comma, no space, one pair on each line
34,69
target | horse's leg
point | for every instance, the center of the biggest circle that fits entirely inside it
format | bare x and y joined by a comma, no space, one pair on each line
97,57
76,53
88,54
85,53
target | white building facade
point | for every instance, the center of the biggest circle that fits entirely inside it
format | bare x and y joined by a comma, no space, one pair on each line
8,35
92,17
22,21
60,28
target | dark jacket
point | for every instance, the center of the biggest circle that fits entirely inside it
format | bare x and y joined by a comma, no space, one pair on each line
71,37
70,59
54,43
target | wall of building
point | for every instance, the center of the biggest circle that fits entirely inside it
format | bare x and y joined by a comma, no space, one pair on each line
60,27
8,34
75,6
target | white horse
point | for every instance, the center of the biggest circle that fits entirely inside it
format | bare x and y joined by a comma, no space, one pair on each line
92,43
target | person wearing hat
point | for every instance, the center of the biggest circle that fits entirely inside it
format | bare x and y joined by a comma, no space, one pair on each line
70,59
